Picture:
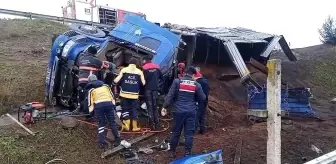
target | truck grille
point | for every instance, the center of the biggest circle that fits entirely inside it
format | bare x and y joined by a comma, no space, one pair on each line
81,40
70,33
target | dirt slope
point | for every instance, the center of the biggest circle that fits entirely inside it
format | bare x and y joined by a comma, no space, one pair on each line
24,51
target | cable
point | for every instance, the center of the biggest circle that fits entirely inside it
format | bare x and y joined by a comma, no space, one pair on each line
142,130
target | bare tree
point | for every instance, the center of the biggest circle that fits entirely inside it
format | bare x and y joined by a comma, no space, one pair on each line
328,31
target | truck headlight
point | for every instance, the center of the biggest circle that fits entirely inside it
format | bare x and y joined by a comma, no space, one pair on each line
67,48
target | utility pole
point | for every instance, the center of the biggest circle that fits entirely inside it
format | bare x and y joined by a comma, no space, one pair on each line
274,112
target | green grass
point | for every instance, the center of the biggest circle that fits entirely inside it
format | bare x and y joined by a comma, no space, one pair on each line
17,28
52,141
23,82
24,52
325,75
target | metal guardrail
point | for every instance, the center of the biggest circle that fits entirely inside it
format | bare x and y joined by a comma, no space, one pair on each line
329,158
31,15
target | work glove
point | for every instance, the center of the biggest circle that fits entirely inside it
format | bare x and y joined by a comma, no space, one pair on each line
112,66
163,112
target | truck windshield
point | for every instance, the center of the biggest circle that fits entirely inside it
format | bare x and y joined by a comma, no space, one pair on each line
149,44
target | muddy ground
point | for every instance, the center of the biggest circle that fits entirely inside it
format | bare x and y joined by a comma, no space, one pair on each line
227,120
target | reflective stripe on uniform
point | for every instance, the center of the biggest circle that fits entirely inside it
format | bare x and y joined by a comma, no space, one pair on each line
100,101
129,95
83,79
187,86
88,68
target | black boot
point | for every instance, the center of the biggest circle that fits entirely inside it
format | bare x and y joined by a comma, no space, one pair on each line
102,145
117,142
202,131
187,153
154,127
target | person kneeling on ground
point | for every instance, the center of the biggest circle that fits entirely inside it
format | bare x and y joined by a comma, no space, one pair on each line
100,99
184,93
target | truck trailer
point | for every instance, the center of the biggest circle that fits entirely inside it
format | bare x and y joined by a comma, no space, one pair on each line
88,10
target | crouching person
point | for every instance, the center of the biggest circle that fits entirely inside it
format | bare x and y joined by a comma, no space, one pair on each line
89,64
100,99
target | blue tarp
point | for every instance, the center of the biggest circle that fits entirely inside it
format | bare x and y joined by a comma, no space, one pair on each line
295,101
213,157
148,36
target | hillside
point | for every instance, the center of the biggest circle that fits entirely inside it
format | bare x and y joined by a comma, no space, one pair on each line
315,69
24,52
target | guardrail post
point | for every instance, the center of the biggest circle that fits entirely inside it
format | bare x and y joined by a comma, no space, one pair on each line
274,112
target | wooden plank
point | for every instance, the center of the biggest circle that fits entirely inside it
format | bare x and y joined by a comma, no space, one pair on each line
120,147
257,113
286,49
238,152
19,123
274,112
261,113
258,65
262,68
227,77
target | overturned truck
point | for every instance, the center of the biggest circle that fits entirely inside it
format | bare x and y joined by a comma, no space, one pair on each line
237,48
134,37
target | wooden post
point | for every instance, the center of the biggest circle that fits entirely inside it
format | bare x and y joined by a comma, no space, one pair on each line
274,112
207,53
218,50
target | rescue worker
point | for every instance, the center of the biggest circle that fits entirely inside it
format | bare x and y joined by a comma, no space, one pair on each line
89,64
153,78
130,80
202,105
180,67
184,93
101,100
